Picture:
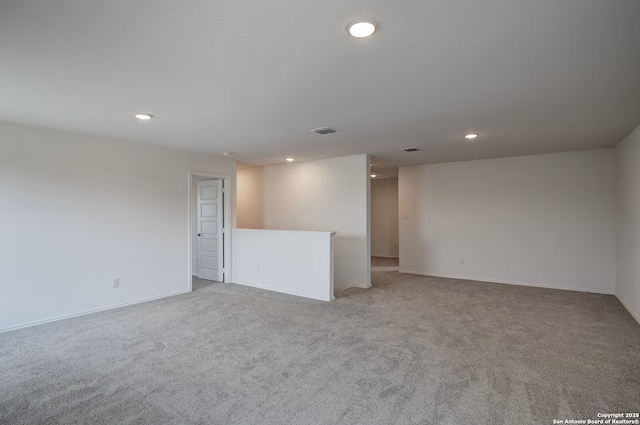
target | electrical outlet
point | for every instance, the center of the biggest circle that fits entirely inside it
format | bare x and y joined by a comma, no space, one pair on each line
115,283
463,261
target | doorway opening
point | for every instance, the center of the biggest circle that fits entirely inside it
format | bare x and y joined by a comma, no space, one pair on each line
208,229
384,224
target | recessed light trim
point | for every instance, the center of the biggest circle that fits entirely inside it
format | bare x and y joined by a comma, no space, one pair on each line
289,159
471,136
144,117
373,175
324,130
362,28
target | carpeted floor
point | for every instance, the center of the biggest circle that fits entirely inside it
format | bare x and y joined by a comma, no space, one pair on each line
384,264
410,350
197,284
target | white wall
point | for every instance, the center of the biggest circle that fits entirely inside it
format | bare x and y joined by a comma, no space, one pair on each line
77,211
327,195
250,198
292,262
384,218
628,253
544,220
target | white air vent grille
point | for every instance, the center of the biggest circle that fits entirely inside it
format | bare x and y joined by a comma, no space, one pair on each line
324,130
410,149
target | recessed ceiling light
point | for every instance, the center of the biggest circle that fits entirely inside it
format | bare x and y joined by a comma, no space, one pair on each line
362,28
289,159
471,136
144,116
373,175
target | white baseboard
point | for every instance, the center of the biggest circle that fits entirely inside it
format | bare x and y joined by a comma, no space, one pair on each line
82,313
507,282
629,310
356,285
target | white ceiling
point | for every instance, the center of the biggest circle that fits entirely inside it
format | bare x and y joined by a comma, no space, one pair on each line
253,77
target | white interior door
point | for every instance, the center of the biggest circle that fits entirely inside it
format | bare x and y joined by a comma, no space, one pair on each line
210,222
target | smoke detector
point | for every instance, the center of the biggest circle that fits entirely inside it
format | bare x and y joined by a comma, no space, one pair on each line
324,130
410,149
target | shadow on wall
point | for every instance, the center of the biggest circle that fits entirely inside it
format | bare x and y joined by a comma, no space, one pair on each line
349,250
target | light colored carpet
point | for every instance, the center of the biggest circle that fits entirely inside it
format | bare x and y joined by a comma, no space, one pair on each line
384,264
197,284
410,350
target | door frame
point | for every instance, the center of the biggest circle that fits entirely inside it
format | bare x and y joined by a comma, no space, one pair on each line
226,223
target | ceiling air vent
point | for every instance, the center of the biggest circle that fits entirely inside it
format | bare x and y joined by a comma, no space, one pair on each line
324,130
410,149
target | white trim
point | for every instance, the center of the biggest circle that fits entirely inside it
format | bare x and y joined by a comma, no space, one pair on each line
227,223
367,283
628,309
507,282
355,285
97,310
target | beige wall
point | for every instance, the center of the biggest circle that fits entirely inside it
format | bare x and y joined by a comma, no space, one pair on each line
250,194
384,218
628,253
543,220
